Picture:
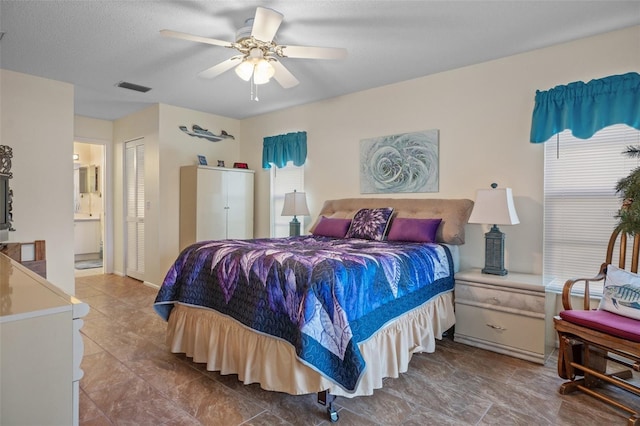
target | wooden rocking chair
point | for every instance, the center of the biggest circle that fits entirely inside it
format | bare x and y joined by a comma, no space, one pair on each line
589,338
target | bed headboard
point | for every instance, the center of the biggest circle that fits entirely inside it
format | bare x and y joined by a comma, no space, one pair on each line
454,213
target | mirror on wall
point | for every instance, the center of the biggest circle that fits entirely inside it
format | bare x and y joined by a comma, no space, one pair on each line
88,179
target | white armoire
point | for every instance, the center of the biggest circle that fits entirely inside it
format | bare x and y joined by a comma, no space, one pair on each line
216,203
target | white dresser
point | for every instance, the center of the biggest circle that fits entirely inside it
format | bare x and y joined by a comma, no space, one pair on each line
40,349
504,314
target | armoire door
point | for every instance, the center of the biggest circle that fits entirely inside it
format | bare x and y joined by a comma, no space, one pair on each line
239,191
211,214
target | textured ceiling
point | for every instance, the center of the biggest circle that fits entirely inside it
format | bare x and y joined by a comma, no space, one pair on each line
95,44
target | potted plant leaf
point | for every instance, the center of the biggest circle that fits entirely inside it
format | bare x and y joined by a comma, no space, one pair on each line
629,189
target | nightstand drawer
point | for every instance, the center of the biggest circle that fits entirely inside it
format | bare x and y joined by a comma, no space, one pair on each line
503,328
493,297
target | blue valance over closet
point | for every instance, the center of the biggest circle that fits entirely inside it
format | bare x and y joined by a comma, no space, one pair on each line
585,108
280,149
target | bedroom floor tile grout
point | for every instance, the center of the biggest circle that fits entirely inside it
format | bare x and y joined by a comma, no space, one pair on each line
131,378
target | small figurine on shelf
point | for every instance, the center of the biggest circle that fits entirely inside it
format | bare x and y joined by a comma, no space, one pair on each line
226,135
220,163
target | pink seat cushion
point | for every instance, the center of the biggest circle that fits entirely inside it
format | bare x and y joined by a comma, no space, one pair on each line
606,322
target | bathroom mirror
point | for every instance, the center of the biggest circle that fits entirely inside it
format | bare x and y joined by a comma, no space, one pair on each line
88,179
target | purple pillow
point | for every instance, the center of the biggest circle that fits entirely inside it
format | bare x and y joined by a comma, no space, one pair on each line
370,224
416,230
332,227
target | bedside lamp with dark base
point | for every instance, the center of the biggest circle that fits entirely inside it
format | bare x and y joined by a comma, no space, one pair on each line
494,206
295,204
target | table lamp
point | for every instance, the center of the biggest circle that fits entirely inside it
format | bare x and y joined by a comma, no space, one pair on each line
295,203
494,207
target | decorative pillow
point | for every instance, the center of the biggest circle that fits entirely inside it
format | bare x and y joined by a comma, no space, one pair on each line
332,227
416,230
621,293
370,224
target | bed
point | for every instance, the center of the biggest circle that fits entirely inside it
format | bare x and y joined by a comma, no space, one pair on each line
333,312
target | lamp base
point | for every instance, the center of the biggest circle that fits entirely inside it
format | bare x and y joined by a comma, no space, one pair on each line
494,252
294,227
492,271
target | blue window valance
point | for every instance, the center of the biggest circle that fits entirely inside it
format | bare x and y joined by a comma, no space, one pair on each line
586,108
280,149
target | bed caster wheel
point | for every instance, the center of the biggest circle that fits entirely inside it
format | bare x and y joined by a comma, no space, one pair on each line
333,415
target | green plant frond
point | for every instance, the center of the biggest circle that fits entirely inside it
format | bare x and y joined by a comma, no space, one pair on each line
628,188
632,151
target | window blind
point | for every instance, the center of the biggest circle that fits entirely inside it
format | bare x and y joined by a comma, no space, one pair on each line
580,202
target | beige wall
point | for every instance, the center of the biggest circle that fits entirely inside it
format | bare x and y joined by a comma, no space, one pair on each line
483,113
142,124
91,129
166,149
36,117
179,149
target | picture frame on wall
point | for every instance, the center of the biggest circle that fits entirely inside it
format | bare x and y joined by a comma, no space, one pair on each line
202,160
400,163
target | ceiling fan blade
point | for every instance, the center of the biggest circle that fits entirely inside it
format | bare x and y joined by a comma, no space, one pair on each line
191,37
283,76
266,24
216,70
310,52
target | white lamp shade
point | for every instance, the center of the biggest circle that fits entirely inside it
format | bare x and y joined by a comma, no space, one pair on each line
494,207
295,204
244,70
263,72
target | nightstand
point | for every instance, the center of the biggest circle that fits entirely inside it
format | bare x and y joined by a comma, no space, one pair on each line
504,314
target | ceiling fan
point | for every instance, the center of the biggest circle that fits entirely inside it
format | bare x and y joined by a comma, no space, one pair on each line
260,55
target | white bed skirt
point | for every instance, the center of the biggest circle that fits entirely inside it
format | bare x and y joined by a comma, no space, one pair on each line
229,347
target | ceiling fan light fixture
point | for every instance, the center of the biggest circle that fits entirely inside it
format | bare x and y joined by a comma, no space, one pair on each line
263,71
257,60
245,70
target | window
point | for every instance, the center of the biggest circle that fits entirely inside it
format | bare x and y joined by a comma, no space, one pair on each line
284,180
580,202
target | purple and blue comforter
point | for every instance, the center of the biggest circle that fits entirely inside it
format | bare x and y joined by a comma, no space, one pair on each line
322,295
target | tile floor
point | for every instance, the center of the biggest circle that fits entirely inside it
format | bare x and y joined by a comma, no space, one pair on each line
130,378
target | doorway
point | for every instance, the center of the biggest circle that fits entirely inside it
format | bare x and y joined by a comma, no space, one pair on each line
89,207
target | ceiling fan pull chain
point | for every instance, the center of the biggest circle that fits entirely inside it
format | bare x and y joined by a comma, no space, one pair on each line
254,89
251,85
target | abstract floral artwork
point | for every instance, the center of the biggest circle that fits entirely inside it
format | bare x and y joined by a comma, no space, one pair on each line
407,162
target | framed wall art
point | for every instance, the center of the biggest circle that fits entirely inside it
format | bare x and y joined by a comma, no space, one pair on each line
406,162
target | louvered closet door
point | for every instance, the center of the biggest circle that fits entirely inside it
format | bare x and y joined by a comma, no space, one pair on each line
134,189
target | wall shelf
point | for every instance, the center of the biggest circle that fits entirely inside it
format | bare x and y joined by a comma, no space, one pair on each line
205,134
